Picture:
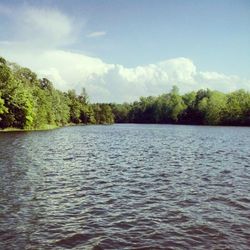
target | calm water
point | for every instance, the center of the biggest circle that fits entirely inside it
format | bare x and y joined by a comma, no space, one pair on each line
125,187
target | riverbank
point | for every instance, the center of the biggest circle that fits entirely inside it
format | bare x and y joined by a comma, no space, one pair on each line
52,127
46,127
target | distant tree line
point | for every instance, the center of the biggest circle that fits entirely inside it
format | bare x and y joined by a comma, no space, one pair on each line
27,102
204,107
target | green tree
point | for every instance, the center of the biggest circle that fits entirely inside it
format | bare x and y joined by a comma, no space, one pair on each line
215,107
75,107
237,109
3,109
174,105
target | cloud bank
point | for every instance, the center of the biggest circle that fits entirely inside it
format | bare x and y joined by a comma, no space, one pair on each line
41,41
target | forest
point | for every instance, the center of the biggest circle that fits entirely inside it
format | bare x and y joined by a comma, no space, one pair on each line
202,107
27,102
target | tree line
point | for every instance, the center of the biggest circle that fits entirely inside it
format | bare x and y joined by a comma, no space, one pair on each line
27,102
202,107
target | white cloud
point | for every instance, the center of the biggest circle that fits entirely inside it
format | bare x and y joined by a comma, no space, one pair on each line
33,27
109,82
39,46
97,34
45,26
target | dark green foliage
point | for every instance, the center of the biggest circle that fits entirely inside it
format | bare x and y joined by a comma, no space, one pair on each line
204,107
121,112
103,113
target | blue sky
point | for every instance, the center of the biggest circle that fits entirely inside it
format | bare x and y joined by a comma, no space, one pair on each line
122,42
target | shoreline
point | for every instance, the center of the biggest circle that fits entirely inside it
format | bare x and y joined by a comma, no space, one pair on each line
52,127
48,127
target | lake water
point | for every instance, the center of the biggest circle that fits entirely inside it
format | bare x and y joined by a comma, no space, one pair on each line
125,187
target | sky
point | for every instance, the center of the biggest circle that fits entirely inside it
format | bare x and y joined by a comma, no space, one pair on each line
120,50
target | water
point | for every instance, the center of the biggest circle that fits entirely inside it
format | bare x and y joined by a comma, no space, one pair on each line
125,187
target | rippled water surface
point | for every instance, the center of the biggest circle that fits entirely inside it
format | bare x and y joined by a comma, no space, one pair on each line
125,187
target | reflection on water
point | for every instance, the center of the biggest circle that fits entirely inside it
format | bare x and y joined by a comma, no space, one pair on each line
125,187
